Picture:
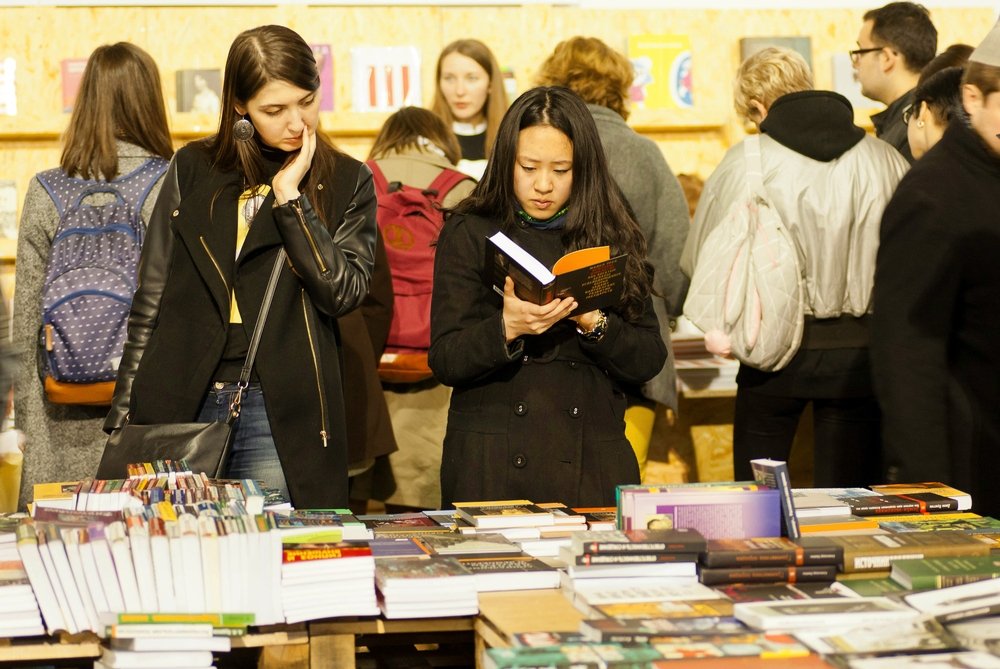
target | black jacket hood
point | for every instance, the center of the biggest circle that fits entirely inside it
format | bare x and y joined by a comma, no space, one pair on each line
817,124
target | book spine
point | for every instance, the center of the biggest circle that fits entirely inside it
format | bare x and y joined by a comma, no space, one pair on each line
633,558
290,555
639,547
820,573
800,557
859,508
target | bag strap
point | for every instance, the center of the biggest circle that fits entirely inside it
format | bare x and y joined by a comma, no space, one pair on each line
444,182
755,168
265,306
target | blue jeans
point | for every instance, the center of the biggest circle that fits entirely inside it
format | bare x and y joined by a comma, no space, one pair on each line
253,454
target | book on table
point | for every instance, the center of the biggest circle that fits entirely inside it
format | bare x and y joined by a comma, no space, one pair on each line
959,659
917,636
918,502
828,612
614,542
809,504
775,592
774,474
590,276
822,573
977,634
958,602
731,510
643,630
771,551
942,572
510,572
502,514
964,499
877,552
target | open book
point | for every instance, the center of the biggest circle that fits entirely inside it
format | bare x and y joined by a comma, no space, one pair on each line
591,275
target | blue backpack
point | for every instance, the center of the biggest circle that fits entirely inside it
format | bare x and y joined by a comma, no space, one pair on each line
90,279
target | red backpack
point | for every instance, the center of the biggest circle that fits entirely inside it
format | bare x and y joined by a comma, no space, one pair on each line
409,220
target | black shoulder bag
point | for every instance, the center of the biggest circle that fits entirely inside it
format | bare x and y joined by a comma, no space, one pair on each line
204,446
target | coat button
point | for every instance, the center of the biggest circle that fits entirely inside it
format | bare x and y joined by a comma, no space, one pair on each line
575,412
520,408
526,359
176,213
573,365
519,461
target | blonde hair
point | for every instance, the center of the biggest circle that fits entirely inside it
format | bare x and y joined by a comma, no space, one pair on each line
496,98
766,76
591,69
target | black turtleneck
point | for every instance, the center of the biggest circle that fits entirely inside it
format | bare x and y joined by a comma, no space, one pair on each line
817,124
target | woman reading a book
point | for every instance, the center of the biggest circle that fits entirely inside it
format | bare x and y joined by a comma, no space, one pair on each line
538,390
267,179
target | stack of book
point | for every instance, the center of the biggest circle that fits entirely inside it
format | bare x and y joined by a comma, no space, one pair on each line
629,554
320,525
324,580
19,613
167,641
770,560
434,588
496,561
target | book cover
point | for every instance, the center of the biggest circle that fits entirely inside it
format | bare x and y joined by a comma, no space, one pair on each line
958,602
964,499
401,523
567,555
590,276
663,73
811,504
877,552
824,573
324,63
71,70
826,525
762,645
311,552
967,659
918,502
934,523
979,634
716,512
805,613
776,592
48,603
476,544
221,620
665,609
679,540
943,572
198,91
513,572
771,551
643,630
801,44
516,513
919,636
774,474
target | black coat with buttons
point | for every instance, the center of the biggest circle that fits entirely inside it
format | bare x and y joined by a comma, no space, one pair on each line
542,419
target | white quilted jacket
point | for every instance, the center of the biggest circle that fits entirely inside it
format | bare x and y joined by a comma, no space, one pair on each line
832,209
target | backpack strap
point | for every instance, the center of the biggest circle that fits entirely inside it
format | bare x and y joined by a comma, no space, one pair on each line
54,181
755,168
146,174
443,183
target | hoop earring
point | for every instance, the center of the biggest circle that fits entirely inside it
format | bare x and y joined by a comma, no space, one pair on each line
243,130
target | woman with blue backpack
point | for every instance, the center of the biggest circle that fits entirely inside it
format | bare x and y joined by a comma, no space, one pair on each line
78,247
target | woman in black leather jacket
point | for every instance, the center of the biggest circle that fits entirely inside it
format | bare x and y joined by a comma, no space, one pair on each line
267,179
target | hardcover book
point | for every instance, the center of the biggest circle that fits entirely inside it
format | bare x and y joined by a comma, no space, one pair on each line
684,540
512,513
964,499
590,276
806,613
943,572
771,551
715,511
774,474
877,552
823,573
920,502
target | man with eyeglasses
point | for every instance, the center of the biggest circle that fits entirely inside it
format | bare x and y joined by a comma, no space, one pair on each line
895,43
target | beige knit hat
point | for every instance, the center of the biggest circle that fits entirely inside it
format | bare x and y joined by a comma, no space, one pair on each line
988,51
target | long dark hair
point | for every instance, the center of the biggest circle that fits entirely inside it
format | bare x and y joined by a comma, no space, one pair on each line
257,57
120,98
598,212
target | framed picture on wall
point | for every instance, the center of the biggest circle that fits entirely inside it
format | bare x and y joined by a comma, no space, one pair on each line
198,91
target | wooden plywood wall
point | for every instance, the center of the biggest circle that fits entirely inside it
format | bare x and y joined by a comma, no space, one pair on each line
198,37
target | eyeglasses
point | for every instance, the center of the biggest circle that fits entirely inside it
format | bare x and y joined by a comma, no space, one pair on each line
857,53
908,113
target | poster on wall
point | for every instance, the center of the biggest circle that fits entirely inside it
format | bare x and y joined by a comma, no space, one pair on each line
198,91
801,44
8,88
324,63
385,78
72,73
662,66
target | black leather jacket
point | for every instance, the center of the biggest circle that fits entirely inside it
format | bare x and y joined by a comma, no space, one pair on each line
180,313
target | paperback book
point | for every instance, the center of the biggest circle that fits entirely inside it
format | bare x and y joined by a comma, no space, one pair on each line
590,276
942,572
511,513
771,551
819,613
774,474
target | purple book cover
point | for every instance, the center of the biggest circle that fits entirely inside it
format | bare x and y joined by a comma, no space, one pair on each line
324,63
716,513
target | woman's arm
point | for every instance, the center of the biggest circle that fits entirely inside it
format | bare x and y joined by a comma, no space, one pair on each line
629,352
335,267
154,266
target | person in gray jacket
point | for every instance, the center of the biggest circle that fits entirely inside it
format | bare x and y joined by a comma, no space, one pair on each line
602,77
829,181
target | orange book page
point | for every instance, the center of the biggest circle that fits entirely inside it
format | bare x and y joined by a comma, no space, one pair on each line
581,258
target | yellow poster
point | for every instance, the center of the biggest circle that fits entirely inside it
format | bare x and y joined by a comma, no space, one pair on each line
662,66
